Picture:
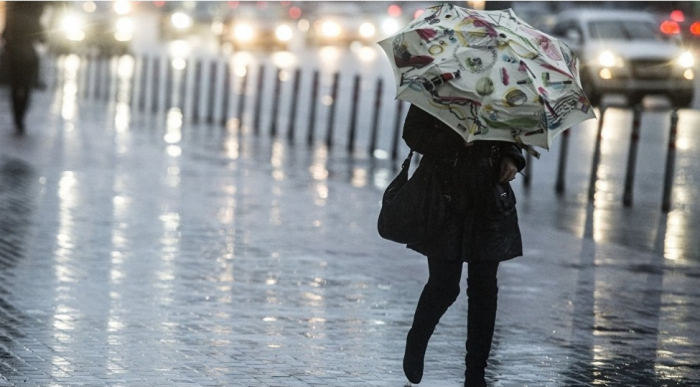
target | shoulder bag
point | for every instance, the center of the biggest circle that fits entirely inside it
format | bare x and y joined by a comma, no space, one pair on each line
412,209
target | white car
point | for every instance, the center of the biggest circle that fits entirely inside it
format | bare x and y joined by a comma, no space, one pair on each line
623,52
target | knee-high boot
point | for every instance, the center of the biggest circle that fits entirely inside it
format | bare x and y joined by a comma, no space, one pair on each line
481,319
433,303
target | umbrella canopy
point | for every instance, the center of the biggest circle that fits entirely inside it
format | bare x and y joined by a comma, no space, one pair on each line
488,75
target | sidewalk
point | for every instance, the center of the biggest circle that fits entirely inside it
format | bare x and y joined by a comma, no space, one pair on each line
161,254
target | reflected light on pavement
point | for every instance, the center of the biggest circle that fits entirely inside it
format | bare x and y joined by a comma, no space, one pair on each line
319,172
276,160
173,133
125,71
675,234
71,65
231,147
359,177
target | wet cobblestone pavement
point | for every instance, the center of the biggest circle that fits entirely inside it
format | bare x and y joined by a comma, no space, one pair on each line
169,255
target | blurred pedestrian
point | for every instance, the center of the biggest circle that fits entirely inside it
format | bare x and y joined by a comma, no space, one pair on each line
481,229
21,62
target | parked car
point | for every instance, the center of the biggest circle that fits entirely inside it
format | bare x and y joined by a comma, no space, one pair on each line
182,20
247,27
623,52
342,23
102,28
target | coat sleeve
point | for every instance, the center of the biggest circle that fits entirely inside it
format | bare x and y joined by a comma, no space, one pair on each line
427,135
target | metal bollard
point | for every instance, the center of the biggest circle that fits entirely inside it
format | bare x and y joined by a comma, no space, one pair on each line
375,120
242,98
293,108
112,78
670,162
225,94
182,99
331,114
276,103
596,155
144,83
353,114
561,168
155,85
169,79
131,99
196,86
258,100
98,78
56,73
312,113
88,76
397,130
213,67
632,157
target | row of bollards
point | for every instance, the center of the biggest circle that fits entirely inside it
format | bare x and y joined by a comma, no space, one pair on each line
98,73
627,196
154,85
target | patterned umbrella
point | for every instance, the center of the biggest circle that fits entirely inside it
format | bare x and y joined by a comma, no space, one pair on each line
488,75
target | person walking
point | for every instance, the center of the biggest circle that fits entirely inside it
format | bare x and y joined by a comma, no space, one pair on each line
481,229
22,29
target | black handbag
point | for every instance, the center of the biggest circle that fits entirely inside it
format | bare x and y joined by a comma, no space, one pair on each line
412,209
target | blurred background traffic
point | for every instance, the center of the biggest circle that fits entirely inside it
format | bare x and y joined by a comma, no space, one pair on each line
182,29
120,27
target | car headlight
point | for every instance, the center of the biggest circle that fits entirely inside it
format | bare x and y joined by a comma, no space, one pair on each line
72,27
124,30
284,33
121,7
243,32
181,20
331,29
609,59
367,30
390,26
686,60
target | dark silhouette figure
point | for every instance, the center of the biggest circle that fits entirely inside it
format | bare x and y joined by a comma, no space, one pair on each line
21,61
481,229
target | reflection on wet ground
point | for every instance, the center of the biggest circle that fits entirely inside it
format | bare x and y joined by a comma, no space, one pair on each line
139,249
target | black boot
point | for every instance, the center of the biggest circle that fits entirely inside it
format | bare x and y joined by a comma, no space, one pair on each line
481,319
414,356
438,294
474,377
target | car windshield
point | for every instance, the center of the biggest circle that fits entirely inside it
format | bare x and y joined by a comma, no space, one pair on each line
623,30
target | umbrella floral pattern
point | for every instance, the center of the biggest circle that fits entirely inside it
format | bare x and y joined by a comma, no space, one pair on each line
488,75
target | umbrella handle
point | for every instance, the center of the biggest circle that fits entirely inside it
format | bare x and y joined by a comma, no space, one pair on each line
528,148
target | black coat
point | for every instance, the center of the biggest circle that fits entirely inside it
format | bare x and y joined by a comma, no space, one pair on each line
482,223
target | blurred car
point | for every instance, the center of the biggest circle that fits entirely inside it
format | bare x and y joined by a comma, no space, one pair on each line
100,28
343,23
678,25
180,20
623,52
248,27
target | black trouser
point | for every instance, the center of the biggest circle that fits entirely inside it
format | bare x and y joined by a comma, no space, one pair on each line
443,289
22,74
